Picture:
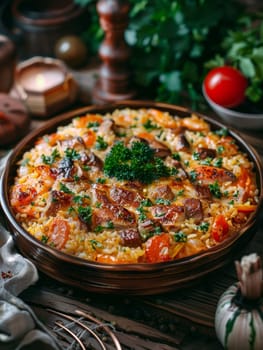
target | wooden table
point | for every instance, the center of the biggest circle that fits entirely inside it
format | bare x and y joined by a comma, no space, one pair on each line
180,320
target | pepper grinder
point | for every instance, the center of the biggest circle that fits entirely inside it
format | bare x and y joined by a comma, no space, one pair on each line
7,63
114,82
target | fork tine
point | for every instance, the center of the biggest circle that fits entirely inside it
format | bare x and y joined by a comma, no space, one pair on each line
95,320
72,334
80,324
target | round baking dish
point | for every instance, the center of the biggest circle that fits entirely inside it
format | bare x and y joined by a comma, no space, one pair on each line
136,279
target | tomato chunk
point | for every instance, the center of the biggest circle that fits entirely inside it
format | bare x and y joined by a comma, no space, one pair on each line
22,195
89,138
220,228
157,248
245,208
89,119
58,232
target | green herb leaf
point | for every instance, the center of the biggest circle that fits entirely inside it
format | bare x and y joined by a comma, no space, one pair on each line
180,237
135,163
49,160
215,189
101,144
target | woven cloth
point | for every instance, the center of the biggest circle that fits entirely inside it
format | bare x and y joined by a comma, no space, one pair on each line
19,326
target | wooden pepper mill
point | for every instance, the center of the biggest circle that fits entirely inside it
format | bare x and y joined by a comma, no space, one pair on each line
7,63
114,82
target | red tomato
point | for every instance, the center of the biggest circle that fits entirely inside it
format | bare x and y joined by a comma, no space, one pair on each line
58,232
225,86
220,228
157,248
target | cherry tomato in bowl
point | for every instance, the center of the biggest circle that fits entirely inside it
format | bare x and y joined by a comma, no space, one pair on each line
225,86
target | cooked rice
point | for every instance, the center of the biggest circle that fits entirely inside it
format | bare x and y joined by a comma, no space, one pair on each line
47,196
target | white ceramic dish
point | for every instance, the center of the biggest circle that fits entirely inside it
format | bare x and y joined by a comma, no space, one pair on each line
236,119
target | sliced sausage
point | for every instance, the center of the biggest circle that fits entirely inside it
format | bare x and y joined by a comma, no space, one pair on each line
149,227
193,209
76,143
119,216
130,238
90,159
169,216
203,191
210,174
163,191
125,196
100,194
173,163
182,143
204,153
58,200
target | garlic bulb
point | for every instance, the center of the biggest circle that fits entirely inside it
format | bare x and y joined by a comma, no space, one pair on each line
239,313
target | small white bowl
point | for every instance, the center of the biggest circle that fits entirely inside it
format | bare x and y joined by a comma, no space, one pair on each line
236,119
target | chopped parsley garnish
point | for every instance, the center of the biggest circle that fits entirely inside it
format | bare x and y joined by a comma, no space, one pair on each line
95,244
232,202
44,239
206,161
101,144
174,171
193,175
218,162
204,226
148,125
72,154
215,189
221,132
108,225
71,210
142,212
162,201
180,237
180,193
25,161
93,124
236,194
220,149
176,156
101,180
120,134
196,155
85,214
78,199
146,203
86,167
50,159
64,188
157,230
135,163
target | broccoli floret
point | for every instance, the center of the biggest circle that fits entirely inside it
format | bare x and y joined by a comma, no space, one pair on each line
135,163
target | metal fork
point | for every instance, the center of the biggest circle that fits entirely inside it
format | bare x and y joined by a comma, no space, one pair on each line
76,321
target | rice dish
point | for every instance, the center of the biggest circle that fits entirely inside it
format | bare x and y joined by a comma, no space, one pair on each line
134,186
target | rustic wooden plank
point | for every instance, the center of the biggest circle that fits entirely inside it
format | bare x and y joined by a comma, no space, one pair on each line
34,296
